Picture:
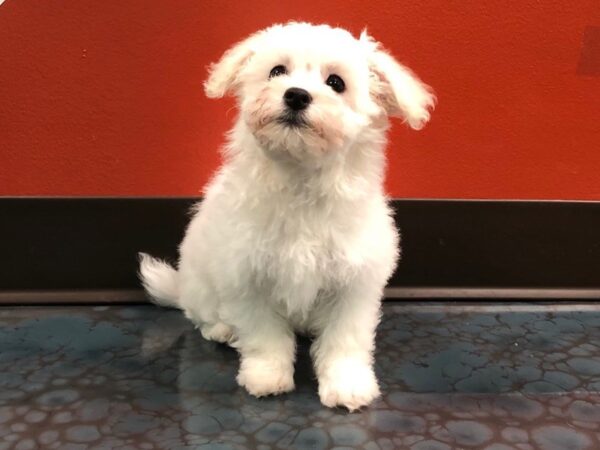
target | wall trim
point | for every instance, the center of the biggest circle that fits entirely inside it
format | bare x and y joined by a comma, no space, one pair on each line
137,296
59,248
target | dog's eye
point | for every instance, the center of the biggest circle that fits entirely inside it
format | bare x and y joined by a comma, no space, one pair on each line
336,83
277,70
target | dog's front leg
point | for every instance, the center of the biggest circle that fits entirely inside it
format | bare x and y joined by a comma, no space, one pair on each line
343,350
267,347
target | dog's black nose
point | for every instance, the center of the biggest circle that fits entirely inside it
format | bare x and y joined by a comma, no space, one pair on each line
297,99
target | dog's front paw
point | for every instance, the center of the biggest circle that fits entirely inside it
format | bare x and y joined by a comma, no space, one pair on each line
262,376
349,383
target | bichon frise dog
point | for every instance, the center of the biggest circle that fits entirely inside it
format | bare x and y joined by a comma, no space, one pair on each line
294,233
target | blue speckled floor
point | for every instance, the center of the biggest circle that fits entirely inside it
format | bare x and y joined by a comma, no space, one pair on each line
453,377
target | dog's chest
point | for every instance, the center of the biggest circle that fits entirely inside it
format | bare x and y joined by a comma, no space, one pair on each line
300,250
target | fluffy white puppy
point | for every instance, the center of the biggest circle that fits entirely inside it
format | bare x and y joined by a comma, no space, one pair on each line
294,233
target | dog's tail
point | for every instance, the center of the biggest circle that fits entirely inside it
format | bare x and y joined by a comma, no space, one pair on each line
160,281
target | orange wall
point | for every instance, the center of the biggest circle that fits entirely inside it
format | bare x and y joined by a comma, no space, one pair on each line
105,97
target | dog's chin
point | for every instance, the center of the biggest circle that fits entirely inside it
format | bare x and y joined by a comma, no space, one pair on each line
292,120
290,138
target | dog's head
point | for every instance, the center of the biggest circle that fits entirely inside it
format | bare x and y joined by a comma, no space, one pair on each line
306,90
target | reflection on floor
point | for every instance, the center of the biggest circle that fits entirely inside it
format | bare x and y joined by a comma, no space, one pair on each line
474,377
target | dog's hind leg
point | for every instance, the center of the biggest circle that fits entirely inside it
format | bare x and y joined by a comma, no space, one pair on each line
200,304
218,332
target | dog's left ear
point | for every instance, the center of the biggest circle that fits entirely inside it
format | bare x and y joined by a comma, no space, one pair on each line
395,88
223,75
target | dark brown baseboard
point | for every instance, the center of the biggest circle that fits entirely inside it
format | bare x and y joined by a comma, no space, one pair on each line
450,248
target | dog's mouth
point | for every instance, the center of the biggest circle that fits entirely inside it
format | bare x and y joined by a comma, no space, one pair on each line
292,119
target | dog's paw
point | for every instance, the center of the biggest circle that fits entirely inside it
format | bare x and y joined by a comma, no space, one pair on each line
349,383
218,332
261,376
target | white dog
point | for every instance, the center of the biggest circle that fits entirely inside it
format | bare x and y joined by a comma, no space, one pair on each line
294,232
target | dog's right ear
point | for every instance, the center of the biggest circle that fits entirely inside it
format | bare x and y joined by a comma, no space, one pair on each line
223,75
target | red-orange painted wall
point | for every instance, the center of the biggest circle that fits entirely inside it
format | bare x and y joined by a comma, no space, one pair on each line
105,98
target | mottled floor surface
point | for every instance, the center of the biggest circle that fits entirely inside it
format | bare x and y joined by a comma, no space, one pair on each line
497,378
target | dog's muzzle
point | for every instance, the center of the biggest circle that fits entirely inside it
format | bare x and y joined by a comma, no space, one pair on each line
296,101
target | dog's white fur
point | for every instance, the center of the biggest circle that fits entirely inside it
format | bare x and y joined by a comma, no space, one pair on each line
294,233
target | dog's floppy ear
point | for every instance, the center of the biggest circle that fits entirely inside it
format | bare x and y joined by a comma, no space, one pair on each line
395,88
223,75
